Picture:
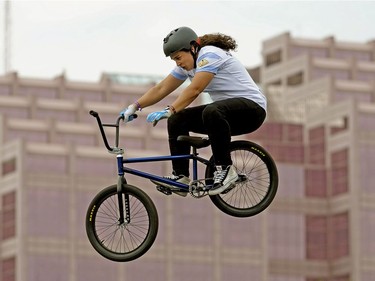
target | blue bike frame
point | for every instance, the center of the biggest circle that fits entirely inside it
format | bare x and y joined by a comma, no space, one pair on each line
124,169
124,205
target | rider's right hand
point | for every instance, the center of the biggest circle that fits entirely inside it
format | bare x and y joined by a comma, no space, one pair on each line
128,113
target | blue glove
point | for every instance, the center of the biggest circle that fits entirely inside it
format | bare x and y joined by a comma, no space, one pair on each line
128,113
156,116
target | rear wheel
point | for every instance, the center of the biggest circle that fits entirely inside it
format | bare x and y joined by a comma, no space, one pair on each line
257,183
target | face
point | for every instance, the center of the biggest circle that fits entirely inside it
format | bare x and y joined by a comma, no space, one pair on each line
183,59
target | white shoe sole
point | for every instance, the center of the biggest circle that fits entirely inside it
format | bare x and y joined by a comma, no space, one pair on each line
224,187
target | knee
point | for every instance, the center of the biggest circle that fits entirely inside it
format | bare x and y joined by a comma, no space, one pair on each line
212,112
175,120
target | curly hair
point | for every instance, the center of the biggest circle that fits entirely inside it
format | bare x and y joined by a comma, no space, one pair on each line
219,40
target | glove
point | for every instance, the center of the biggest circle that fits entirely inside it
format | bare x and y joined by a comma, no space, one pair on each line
156,116
129,112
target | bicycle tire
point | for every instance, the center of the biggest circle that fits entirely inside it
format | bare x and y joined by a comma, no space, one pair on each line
256,193
130,240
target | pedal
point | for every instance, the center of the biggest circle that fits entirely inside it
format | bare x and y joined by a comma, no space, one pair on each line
164,190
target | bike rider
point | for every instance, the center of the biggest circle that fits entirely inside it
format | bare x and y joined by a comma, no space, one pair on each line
238,105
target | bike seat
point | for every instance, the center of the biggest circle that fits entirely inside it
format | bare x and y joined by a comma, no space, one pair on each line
197,142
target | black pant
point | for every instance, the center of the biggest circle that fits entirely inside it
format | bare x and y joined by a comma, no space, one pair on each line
219,120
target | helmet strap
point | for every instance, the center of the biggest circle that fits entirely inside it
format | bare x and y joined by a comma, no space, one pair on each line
195,47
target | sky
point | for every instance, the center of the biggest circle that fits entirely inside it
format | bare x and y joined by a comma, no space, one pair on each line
84,39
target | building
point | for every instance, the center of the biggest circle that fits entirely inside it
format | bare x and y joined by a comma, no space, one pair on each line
321,223
320,130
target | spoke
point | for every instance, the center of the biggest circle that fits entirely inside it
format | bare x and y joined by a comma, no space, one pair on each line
252,191
121,238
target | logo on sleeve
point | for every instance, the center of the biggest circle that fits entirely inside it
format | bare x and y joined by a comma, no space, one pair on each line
203,62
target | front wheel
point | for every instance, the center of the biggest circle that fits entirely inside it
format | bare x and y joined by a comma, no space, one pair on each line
122,241
257,184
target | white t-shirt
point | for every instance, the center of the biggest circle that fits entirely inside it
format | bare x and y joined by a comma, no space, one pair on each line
231,77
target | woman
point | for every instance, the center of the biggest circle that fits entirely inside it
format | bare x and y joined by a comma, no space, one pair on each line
238,105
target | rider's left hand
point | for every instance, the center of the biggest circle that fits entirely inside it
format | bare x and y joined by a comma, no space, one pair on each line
156,116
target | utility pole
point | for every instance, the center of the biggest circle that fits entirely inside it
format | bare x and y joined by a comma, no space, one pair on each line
7,36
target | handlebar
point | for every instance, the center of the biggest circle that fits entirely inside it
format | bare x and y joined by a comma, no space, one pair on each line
114,149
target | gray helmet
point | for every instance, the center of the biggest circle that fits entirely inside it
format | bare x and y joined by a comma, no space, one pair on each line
178,39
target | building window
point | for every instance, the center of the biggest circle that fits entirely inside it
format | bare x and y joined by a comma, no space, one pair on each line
295,79
316,237
316,183
8,215
340,170
317,145
8,166
273,58
8,269
327,237
274,83
339,246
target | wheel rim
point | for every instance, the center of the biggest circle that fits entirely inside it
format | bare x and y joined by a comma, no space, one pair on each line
121,238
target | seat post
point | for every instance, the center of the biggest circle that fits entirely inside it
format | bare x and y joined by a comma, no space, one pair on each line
195,164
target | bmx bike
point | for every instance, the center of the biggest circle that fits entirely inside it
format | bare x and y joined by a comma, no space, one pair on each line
122,220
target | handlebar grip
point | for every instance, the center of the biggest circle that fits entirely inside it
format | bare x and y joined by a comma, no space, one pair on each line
131,117
94,113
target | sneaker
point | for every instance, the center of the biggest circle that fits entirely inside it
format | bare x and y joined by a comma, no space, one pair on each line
181,179
224,177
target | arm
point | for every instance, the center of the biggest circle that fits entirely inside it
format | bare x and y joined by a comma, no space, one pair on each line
197,86
152,96
159,91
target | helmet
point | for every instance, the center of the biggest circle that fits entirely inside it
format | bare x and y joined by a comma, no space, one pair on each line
178,39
